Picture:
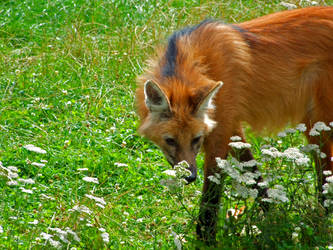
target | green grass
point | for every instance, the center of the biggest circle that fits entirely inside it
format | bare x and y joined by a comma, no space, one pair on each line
67,83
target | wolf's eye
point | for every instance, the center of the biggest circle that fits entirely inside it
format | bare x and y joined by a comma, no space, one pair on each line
170,142
196,140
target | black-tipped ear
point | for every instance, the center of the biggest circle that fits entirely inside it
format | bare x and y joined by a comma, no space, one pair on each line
156,100
207,101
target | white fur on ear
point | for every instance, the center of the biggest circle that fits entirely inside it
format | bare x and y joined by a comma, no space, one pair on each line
156,100
207,102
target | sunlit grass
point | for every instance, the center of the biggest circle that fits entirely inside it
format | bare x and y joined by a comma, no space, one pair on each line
67,82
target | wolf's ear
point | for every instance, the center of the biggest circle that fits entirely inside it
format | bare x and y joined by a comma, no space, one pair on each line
156,100
207,101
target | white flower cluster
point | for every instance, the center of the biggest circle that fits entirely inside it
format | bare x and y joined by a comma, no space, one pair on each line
276,195
99,201
318,127
240,176
239,145
292,154
178,173
328,189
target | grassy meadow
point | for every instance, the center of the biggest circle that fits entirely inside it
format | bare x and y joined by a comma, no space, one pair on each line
68,72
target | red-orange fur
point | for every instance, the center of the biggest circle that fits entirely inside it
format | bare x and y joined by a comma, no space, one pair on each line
276,70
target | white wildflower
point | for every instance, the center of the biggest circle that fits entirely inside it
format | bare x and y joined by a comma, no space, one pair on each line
282,134
301,127
100,205
277,194
34,222
28,191
289,6
97,199
55,243
170,172
105,237
12,168
44,161
314,132
12,175
329,179
35,149
38,164
318,127
82,169
44,196
101,229
141,220
327,172
272,152
322,155
328,203
214,179
235,138
295,154
263,184
239,145
331,124
75,236
80,209
46,236
90,179
26,181
13,217
294,237
119,164
177,241
1,229
12,183
290,131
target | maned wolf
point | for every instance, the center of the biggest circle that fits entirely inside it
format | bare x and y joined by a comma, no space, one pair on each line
268,72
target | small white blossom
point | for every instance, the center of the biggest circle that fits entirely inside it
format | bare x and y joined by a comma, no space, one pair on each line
170,172
314,132
28,191
327,172
301,127
12,183
177,241
26,181
119,164
239,145
105,237
46,236
90,179
100,205
289,6
290,131
235,138
318,127
12,168
38,164
139,220
44,196
97,199
1,229
276,194
322,155
214,179
82,169
80,209
272,152
34,222
55,243
35,149
282,134
329,179
331,124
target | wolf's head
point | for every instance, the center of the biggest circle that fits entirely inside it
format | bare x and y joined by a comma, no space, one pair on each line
178,119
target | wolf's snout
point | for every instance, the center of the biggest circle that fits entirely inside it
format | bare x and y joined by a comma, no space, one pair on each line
193,176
